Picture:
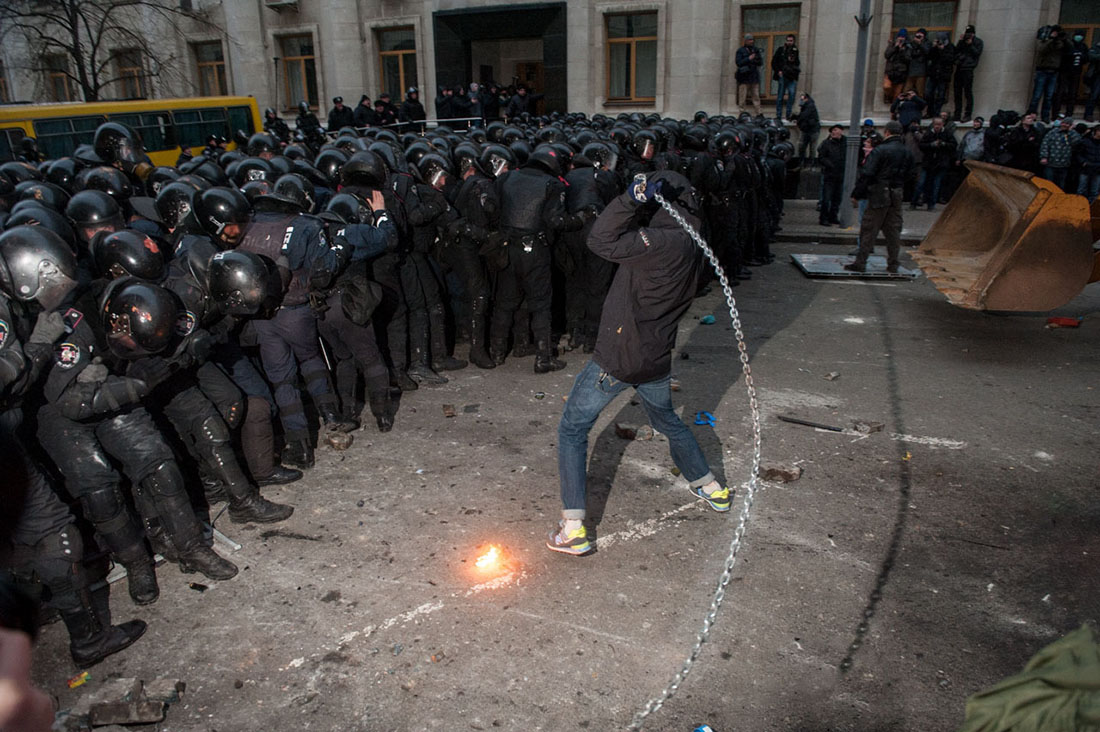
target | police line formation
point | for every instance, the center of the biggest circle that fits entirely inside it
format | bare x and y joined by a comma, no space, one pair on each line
158,324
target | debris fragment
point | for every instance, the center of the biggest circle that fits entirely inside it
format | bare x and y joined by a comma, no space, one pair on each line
867,428
1062,322
707,320
82,678
540,395
471,408
197,587
832,376
448,410
631,432
779,472
137,712
808,423
674,384
338,440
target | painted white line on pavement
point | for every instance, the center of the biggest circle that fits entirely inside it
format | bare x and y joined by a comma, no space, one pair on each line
641,530
574,626
930,441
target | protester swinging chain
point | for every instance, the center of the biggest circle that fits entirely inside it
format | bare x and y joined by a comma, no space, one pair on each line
735,545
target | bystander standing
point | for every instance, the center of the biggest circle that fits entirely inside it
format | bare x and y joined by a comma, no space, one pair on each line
897,66
786,67
748,61
1056,152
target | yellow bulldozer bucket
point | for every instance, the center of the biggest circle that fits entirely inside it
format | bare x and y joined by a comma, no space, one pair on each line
1010,240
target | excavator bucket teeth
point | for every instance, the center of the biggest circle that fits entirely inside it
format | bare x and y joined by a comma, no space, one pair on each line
1009,240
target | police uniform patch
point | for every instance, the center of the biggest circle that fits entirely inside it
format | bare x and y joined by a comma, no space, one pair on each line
72,318
4,330
68,355
185,323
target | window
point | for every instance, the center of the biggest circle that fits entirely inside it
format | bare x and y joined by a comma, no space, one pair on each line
155,129
240,118
59,85
1081,16
9,142
211,64
299,70
5,92
770,25
60,136
632,57
193,126
397,60
131,76
932,15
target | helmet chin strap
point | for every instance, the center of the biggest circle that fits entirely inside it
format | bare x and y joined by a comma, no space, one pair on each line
750,487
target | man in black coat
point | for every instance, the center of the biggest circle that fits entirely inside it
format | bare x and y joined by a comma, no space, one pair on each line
363,115
832,155
881,182
658,273
340,116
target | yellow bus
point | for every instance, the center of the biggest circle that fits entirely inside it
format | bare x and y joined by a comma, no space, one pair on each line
165,125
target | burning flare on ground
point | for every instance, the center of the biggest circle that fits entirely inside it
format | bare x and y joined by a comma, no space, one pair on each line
490,559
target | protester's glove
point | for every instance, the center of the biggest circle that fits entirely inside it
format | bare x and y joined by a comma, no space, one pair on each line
641,190
152,370
93,373
48,328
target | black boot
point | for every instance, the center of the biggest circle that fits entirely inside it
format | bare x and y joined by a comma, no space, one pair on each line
334,420
478,355
140,570
401,380
91,641
206,561
257,509
298,453
544,359
381,406
523,347
420,372
280,476
440,360
448,363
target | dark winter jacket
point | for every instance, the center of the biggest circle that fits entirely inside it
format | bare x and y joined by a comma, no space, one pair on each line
967,53
749,61
342,117
653,287
365,116
809,121
832,154
1057,147
897,62
908,111
938,149
411,110
444,106
520,104
887,167
941,60
1023,147
1075,58
786,60
1094,62
1088,154
1048,57
918,57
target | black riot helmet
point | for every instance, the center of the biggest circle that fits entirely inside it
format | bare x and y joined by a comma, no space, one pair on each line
91,211
161,176
645,144
601,155
417,150
351,209
365,169
270,114
33,213
394,161
253,189
466,155
62,172
239,281
221,213
330,162
116,142
496,159
261,143
292,194
510,134
140,318
727,143
521,150
303,107
111,181
18,171
547,159
127,253
433,170
253,169
35,264
318,178
47,194
173,203
296,150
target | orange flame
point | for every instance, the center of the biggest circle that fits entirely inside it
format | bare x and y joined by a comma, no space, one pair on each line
489,559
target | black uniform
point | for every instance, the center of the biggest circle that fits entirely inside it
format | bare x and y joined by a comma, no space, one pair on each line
587,275
477,204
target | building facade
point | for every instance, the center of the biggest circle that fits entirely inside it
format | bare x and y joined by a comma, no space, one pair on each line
671,57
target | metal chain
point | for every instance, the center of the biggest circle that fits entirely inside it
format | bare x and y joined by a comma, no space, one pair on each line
720,592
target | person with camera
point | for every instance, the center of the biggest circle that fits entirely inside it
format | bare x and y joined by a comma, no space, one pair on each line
748,62
941,64
1048,60
967,52
898,54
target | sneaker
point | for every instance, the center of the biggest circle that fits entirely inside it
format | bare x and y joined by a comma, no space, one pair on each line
576,542
719,500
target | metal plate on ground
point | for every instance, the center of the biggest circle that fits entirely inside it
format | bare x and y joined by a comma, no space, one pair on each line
832,265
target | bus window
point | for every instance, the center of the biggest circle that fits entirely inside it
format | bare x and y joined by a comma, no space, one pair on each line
240,118
193,126
155,129
215,122
58,138
9,142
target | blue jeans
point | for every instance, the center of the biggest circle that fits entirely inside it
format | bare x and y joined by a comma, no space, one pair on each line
1057,176
928,187
1045,84
788,88
1088,184
593,390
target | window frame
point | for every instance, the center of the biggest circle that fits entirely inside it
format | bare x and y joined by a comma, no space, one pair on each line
217,68
286,61
130,78
769,88
5,88
400,54
55,73
632,42
948,29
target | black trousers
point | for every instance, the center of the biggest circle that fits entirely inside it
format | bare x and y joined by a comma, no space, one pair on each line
527,276
964,87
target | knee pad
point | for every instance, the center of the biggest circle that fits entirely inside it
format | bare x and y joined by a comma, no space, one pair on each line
213,431
164,481
104,508
233,414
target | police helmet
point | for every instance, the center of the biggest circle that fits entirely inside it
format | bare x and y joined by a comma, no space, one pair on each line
292,193
350,209
173,203
33,213
432,169
253,189
140,318
18,171
111,181
116,142
392,159
547,159
259,143
91,211
219,207
727,143
496,159
35,264
600,154
465,157
161,176
303,107
365,168
127,252
253,169
239,281
47,194
62,172
417,150
330,162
